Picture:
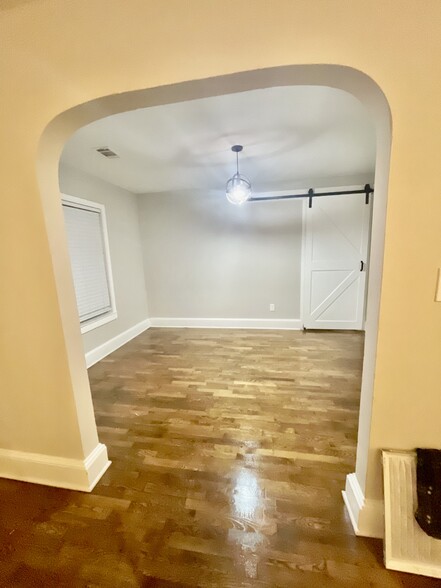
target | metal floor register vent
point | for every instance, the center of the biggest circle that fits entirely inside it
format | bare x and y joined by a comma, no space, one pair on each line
407,547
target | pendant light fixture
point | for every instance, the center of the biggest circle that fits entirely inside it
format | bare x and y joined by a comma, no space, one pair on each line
238,188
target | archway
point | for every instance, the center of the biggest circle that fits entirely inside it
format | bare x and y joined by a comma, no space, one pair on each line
366,514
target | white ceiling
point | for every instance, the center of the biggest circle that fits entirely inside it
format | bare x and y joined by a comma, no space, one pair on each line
293,137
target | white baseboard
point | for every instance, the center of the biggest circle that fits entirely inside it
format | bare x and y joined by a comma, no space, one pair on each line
97,354
354,500
227,323
367,516
61,472
115,343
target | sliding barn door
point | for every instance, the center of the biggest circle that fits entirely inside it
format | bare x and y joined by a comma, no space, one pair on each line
335,262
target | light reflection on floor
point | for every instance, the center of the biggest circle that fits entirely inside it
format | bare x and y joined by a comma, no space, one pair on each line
248,512
247,496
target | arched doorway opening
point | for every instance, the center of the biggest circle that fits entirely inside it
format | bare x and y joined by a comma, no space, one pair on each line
366,481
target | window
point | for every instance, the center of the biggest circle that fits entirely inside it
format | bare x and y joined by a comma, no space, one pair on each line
87,240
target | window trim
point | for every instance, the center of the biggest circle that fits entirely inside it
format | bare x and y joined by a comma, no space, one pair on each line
112,314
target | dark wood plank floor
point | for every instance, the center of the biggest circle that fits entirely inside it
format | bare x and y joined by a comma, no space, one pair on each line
230,451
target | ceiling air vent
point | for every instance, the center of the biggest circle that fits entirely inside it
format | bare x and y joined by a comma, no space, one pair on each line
107,152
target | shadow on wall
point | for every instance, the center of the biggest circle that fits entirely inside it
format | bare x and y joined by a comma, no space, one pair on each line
211,211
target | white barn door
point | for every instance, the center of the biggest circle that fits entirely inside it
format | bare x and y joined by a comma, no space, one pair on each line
335,262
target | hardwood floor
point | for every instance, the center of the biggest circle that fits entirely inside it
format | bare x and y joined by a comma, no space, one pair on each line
230,451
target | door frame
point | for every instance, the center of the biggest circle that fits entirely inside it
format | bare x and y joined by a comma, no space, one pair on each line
367,477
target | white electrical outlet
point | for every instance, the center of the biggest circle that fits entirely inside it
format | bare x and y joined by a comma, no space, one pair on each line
272,307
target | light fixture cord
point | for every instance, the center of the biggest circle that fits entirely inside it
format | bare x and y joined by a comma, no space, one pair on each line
237,162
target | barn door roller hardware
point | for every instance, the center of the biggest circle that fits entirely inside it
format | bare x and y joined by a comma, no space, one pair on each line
367,191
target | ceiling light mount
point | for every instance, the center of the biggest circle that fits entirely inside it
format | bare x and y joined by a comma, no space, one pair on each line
238,188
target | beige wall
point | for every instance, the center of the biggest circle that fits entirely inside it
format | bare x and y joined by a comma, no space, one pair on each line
57,54
205,258
125,251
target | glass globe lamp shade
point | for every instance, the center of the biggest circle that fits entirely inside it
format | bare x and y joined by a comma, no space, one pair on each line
238,189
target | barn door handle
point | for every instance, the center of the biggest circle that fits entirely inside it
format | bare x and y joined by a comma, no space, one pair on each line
361,266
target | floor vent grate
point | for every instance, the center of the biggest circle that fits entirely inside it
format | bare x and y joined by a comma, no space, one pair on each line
407,547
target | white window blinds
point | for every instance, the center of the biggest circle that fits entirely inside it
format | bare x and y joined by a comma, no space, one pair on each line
85,236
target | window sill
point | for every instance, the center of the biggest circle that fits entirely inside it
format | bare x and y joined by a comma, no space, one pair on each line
98,322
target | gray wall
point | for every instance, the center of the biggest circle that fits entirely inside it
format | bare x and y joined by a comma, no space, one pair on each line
125,251
206,258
